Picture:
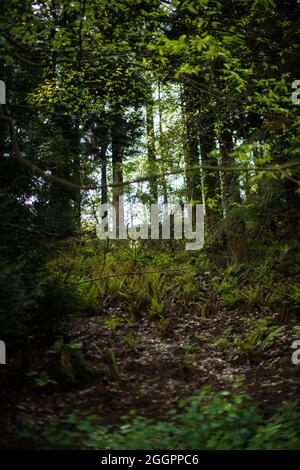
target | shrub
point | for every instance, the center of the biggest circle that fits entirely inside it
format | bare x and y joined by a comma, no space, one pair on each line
226,420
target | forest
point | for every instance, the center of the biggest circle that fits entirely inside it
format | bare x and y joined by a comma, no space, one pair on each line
112,112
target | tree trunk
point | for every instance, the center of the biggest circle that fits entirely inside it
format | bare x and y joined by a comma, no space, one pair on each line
161,145
194,188
192,157
104,195
151,152
236,229
211,179
117,160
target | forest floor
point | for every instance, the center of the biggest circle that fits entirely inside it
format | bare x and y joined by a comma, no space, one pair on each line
156,366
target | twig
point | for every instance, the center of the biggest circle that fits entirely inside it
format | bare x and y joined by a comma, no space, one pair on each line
42,233
132,273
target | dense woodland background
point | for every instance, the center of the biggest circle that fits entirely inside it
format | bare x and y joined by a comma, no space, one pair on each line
160,101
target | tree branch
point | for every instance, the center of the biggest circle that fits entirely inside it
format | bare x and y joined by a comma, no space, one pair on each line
72,187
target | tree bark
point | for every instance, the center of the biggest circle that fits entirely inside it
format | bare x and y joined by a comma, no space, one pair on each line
192,156
236,231
117,161
211,178
151,152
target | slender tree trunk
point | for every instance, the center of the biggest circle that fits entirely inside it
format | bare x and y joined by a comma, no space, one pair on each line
76,170
161,145
194,188
104,195
151,152
117,160
211,179
236,230
192,157
66,206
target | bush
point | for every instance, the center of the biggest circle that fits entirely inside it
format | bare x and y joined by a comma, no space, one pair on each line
19,294
226,420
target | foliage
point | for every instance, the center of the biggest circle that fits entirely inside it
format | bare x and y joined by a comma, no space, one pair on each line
224,420
261,338
19,296
63,365
157,101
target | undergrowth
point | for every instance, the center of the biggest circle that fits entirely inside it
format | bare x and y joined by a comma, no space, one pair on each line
225,420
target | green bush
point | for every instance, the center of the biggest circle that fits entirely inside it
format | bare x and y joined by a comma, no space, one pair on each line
20,294
225,420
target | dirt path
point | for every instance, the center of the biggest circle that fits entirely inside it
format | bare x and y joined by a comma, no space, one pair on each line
158,364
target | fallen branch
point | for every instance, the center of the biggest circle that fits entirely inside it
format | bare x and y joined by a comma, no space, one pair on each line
132,273
42,233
